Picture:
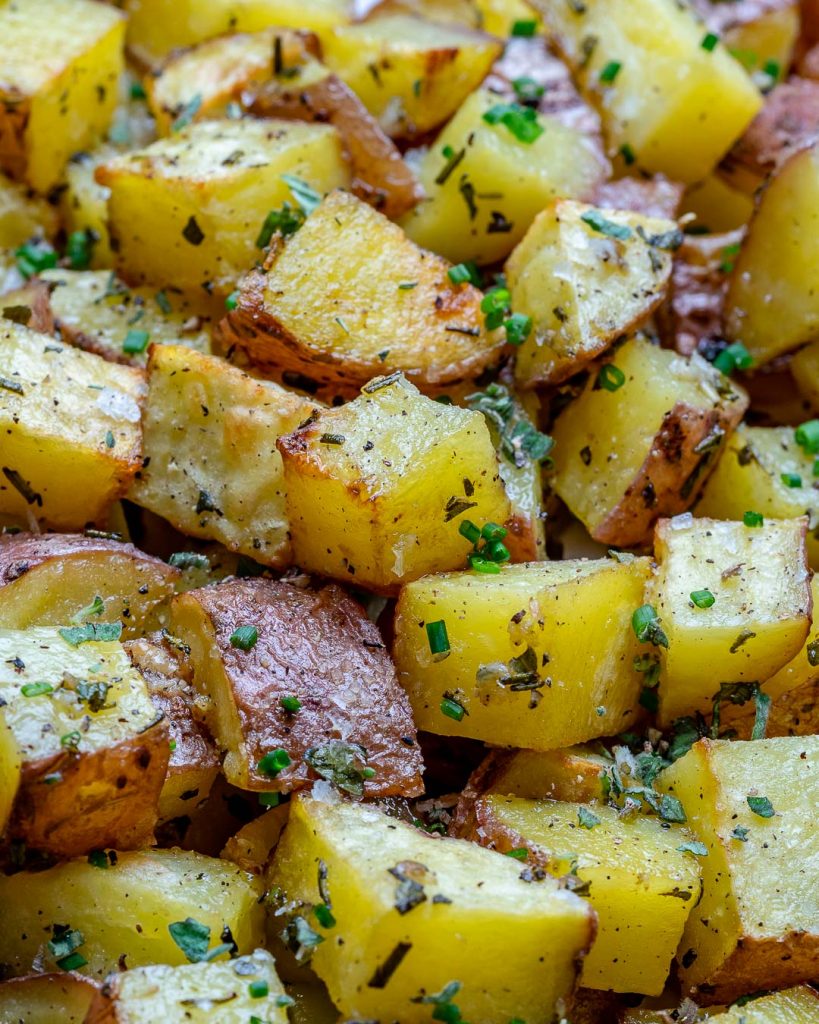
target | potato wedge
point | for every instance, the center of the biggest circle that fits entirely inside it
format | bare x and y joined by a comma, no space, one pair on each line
378,508
585,277
150,889
521,679
71,433
51,108
43,998
752,805
381,305
458,909
665,417
805,370
94,749
23,215
353,724
50,579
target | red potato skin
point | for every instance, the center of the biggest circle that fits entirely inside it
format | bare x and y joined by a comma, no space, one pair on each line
654,197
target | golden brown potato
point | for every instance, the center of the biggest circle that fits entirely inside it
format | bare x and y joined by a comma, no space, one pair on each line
302,686
29,305
44,998
760,34
252,845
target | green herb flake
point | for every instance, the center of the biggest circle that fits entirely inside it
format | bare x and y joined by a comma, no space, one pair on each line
324,915
189,560
525,29
733,357
192,937
586,818
465,273
307,197
232,301
91,632
807,437
34,257
610,377
244,638
163,302
753,519
36,689
519,853
709,41
98,859
274,762
187,113
343,764
452,709
627,153
290,704
527,90
603,226
610,72
761,806
521,121
741,833
518,328
698,849
258,989
791,479
78,249
702,598
97,607
646,625
437,636
135,342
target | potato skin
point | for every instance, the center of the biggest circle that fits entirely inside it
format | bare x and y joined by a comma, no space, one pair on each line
654,197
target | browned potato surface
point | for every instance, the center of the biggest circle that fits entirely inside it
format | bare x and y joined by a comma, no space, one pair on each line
44,998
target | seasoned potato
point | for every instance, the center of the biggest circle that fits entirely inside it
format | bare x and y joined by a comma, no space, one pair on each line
485,181
50,108
764,470
44,998
10,765
94,749
639,441
512,671
245,988
761,34
791,1006
49,580
384,59
380,304
377,507
84,203
805,370
734,602
657,86
120,914
458,910
189,211
585,277
23,215
752,804
258,644
716,207
252,845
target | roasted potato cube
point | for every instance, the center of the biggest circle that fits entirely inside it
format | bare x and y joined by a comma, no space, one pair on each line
657,86
485,183
252,845
716,206
384,59
638,442
189,210
84,203
61,62
51,579
94,749
802,671
375,506
511,671
260,648
585,277
210,434
245,988
23,215
10,765
752,805
764,470
380,304
42,998
418,917
760,34
71,433
805,370
121,914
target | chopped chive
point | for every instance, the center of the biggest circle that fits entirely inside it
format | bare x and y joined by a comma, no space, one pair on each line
438,640
519,853
135,342
492,531
702,598
772,69
407,286
109,439
324,915
527,90
232,301
137,91
35,256
187,113
244,637
524,28
646,625
258,989
469,530
753,519
807,437
610,377
98,859
521,121
791,479
734,357
478,563
290,704
610,72
36,689
627,153
163,302
72,962
709,41
452,709
78,249
462,273
274,762
518,328
494,306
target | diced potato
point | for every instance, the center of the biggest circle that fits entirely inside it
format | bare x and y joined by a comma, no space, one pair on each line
43,998
639,444
252,845
124,910
753,806
794,713
353,724
49,580
375,506
717,207
410,73
23,215
750,477
484,185
194,992
758,585
759,33
188,210
791,1006
803,669
585,277
10,765
515,673
84,202
415,915
676,104
94,749
61,61
71,433
805,370
500,16
210,434
643,887
349,297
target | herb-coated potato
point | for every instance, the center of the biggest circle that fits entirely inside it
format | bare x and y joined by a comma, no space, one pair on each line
43,998
84,202
803,669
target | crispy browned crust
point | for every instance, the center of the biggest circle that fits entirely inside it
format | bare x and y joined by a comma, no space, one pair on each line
14,113
653,197
672,476
320,647
463,823
36,295
795,713
103,1010
521,538
754,964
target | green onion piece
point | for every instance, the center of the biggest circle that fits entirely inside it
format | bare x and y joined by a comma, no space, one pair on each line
772,69
518,328
610,72
78,249
270,799
98,859
521,121
244,637
469,530
438,639
527,90
232,301
646,625
709,41
462,273
452,709
187,113
627,153
492,531
36,689
258,989
72,962
753,519
734,357
163,302
137,91
274,762
702,598
497,551
610,377
525,29
791,479
290,704
519,853
35,256
135,342
479,563
324,915
807,437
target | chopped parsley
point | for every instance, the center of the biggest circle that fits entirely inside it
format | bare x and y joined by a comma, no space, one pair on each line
603,226
343,764
761,806
91,632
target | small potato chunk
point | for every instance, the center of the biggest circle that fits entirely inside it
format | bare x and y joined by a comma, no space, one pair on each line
657,86
51,579
753,805
210,434
416,917
223,990
121,913
10,765
643,886
639,441
761,34
377,506
734,602
513,671
252,845
805,370
94,749
349,297
258,644
42,998
485,184
792,1006
70,426
764,470
383,60
84,203
23,215
188,210
585,277
61,62
802,671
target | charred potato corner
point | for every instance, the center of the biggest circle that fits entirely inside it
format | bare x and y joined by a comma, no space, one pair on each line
409,511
